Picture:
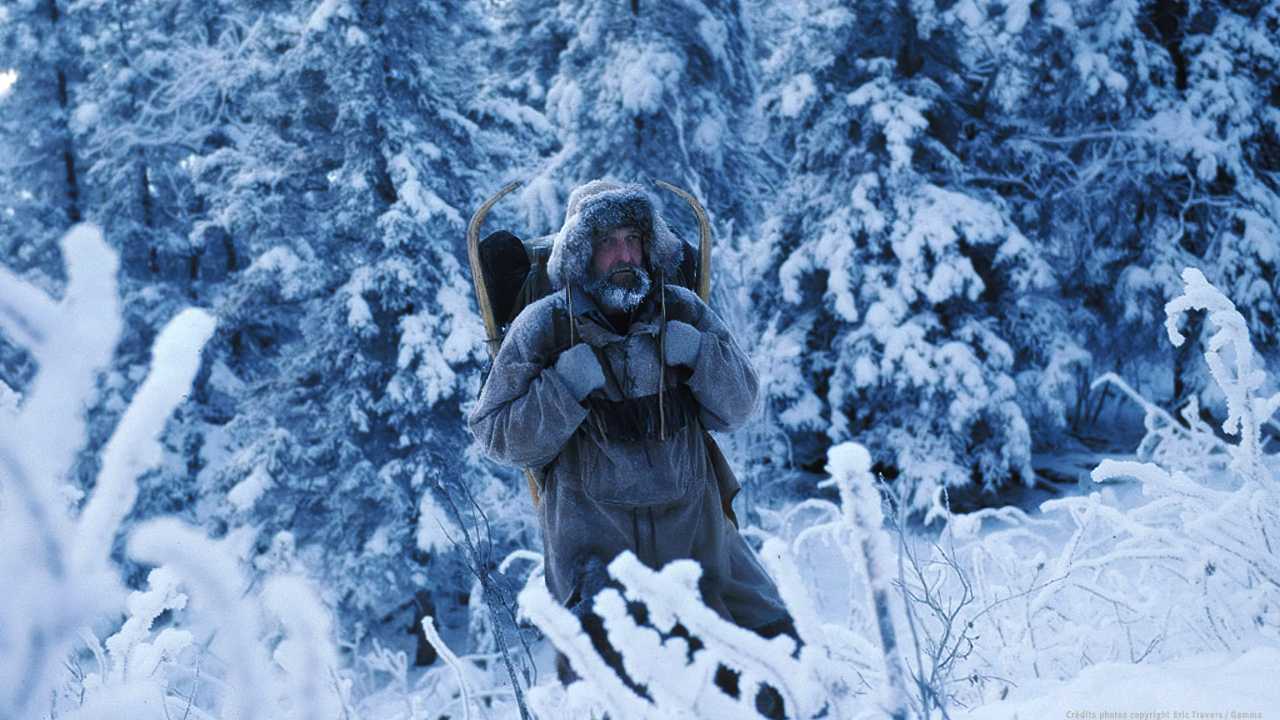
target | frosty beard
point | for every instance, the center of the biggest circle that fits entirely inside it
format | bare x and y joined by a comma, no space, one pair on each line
621,289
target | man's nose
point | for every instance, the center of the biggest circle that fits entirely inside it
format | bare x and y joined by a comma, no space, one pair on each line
628,252
625,251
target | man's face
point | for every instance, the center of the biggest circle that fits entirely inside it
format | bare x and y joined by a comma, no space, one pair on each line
618,279
620,246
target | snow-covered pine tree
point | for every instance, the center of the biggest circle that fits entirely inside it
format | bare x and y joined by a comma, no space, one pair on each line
881,277
641,91
306,169
136,131
40,174
146,108
359,344
1131,139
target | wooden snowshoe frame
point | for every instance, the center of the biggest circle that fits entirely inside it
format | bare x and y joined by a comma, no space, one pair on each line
493,324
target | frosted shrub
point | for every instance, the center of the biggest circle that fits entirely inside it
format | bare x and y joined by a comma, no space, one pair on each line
848,669
60,576
1189,566
132,653
904,601
1229,523
678,686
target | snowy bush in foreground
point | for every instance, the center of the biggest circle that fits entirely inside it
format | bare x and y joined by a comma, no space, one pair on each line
1190,566
650,654
61,580
850,669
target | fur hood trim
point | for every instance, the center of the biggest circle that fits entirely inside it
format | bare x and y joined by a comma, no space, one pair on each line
598,206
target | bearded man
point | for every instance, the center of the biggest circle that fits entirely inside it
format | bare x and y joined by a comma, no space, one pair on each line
614,413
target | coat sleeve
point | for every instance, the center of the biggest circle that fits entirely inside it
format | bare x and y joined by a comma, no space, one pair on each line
526,411
723,381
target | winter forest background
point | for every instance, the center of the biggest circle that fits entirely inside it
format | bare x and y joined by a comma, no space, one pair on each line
955,234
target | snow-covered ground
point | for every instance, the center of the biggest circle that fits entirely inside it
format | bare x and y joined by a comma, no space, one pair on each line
1218,686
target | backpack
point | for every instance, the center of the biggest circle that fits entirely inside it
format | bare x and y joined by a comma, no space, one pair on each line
515,276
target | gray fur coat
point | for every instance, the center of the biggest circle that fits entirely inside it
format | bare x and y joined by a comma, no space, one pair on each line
602,494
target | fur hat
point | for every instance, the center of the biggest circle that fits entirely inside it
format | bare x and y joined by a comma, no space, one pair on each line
597,207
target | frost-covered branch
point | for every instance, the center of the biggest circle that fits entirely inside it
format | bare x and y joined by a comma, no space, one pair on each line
134,447
850,468
565,632
1240,381
433,637
306,654
72,582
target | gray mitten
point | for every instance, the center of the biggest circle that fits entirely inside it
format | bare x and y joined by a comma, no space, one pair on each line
580,369
683,342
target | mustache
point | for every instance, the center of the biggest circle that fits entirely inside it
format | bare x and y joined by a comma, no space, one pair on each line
626,275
